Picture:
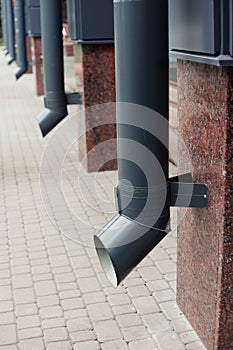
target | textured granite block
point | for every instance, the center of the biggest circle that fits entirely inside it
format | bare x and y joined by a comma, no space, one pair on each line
99,87
205,236
38,65
29,54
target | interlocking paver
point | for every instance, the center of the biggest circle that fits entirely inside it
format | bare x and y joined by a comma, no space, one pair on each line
79,324
99,311
145,344
48,300
55,334
149,273
53,322
123,309
145,305
28,333
118,299
22,281
29,344
115,345
60,345
87,345
137,291
107,330
195,346
156,323
157,285
168,340
6,306
89,284
188,337
83,336
128,320
166,266
42,277
5,293
181,325
75,314
28,321
73,303
94,297
6,318
22,269
50,312
134,333
7,335
171,310
65,277
67,294
24,296
164,295
45,288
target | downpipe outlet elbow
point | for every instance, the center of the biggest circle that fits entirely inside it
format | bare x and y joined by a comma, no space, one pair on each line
48,119
19,71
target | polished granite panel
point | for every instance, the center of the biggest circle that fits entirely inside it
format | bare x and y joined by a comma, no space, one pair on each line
99,88
205,236
38,65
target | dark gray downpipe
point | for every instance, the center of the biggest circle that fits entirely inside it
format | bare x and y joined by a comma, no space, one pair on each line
10,32
20,37
141,47
4,26
56,100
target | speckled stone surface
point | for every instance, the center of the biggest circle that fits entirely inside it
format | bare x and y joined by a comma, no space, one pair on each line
99,87
29,54
205,236
38,65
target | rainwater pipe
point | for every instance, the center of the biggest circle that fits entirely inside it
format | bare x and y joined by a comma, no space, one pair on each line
141,49
10,29
20,38
56,100
4,26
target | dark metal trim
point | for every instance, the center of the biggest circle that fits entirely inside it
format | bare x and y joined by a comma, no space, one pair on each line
92,42
188,195
74,98
221,60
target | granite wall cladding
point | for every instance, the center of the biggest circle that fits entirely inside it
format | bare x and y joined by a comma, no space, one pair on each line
29,54
205,236
38,65
99,87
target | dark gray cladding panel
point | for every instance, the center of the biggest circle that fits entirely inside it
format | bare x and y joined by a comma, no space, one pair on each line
34,21
90,19
33,3
195,25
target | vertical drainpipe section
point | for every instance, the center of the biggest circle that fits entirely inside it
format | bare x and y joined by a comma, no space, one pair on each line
20,37
10,31
53,65
141,48
4,29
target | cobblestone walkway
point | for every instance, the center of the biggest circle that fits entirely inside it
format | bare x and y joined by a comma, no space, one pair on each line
53,293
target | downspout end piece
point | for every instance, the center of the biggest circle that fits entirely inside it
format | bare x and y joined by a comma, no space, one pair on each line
48,119
19,71
10,59
122,244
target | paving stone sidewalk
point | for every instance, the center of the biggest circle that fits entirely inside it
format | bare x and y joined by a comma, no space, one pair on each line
53,293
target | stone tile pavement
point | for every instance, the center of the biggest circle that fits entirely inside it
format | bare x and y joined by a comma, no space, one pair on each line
53,293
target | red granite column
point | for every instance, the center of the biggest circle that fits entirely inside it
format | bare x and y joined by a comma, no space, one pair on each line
99,87
205,237
29,54
38,65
